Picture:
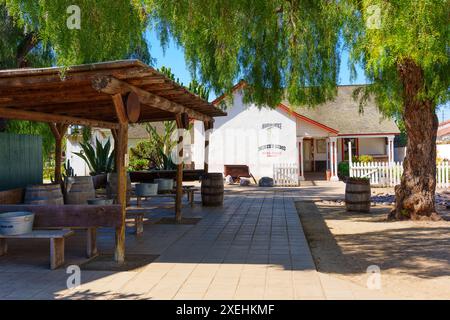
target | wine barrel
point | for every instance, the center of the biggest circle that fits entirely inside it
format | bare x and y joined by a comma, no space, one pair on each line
79,190
44,194
212,189
357,195
111,187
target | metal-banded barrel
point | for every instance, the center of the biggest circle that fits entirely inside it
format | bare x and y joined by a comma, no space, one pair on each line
111,187
357,195
212,189
44,194
79,190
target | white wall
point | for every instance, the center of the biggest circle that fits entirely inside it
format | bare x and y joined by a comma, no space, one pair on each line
73,145
242,136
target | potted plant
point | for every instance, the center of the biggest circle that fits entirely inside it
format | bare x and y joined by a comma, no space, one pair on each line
100,160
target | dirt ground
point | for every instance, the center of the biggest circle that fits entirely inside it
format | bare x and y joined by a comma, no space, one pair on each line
414,257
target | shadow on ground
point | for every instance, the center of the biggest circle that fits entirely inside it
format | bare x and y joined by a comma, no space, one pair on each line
417,248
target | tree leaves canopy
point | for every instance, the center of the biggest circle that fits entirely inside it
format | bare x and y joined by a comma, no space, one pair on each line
290,49
109,30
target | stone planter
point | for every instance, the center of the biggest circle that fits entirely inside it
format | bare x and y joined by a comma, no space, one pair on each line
146,189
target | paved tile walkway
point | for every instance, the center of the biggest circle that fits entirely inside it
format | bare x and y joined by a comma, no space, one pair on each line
252,248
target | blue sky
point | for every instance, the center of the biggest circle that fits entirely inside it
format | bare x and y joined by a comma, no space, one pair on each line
174,58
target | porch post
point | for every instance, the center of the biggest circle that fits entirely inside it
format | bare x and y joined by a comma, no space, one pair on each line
300,145
333,152
208,126
390,149
350,160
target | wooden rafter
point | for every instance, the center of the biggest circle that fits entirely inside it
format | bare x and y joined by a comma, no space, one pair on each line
10,113
112,86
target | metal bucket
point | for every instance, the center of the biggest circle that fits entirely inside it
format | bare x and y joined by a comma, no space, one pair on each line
15,223
100,202
164,185
146,189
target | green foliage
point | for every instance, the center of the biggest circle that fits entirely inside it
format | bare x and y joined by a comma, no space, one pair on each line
142,155
138,164
290,49
415,30
19,45
168,72
194,86
199,89
98,158
109,30
272,45
68,170
163,145
343,169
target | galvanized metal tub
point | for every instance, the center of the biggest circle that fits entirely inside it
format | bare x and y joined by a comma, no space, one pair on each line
146,189
100,202
164,185
16,223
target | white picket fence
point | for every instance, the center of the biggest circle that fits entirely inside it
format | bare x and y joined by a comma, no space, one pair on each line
285,174
385,174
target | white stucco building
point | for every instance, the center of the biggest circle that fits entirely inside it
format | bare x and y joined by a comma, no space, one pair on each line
313,139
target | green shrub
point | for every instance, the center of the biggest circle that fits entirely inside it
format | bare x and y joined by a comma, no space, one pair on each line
138,164
343,169
98,157
364,158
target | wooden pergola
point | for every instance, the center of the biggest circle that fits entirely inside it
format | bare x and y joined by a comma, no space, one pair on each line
105,95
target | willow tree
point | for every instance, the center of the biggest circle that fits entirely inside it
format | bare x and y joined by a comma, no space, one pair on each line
83,31
290,49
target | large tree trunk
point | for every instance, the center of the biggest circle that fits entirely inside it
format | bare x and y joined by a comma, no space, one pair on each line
415,195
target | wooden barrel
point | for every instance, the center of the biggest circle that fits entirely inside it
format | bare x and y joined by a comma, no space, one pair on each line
212,189
357,195
79,190
111,187
44,194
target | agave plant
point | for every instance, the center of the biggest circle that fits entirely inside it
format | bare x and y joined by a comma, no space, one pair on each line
99,160
163,145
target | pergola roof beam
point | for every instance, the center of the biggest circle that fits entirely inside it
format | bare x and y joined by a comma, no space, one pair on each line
113,86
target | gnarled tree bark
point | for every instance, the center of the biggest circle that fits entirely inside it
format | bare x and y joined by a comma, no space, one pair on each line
415,196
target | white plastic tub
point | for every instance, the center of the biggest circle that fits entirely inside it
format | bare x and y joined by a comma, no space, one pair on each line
15,223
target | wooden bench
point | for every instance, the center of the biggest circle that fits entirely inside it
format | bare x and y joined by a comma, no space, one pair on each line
89,217
56,243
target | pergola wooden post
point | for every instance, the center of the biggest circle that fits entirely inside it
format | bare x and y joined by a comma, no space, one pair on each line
115,134
58,130
208,125
182,121
122,146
